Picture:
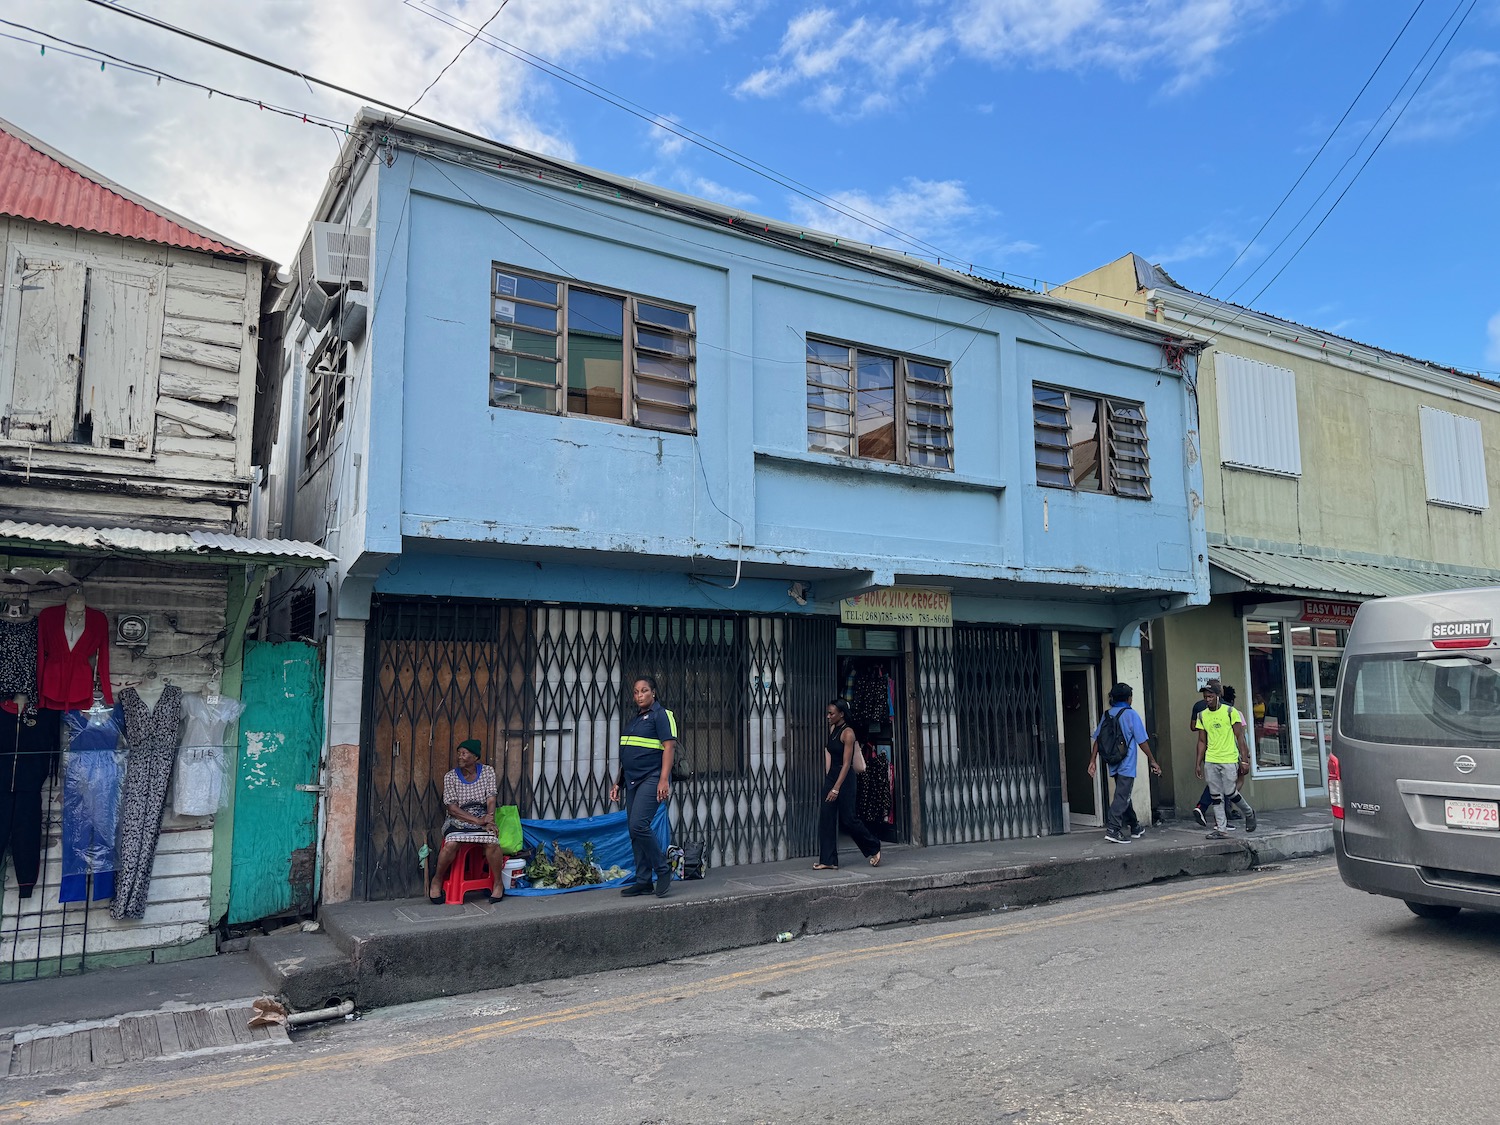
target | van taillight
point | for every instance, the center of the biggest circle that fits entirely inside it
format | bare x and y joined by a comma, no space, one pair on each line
1335,787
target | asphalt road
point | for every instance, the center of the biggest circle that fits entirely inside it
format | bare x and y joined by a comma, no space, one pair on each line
1272,996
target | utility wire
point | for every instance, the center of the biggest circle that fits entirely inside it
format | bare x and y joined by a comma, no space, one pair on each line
1321,148
1355,152
1394,122
454,59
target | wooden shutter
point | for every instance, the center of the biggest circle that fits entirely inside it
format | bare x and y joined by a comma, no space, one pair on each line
44,389
116,408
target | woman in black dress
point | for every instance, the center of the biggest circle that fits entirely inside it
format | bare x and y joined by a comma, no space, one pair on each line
838,794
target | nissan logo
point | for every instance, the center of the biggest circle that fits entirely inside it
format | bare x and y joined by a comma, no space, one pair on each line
1463,764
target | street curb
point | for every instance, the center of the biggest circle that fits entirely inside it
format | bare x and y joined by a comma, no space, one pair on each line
377,968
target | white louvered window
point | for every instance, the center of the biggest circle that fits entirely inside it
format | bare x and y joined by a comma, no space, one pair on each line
1453,455
1257,416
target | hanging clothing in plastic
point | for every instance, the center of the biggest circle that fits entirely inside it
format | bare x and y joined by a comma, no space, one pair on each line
152,734
201,784
28,749
91,803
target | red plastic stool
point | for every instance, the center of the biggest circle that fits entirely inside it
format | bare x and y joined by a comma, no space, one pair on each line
470,872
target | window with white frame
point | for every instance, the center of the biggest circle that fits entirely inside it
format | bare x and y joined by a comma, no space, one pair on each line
81,350
1257,416
880,406
1453,455
562,347
1090,443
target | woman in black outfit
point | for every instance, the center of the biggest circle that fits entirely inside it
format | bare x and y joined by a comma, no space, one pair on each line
838,794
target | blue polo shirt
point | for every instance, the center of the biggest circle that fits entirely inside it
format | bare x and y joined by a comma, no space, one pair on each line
1135,734
641,742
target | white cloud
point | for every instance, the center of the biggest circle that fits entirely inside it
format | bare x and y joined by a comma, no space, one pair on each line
1462,98
1492,350
924,209
866,65
668,143
853,70
254,175
1202,244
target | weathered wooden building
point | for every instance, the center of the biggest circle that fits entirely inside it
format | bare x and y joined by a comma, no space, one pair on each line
128,339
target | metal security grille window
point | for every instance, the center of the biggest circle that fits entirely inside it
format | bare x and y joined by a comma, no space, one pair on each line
881,407
561,348
544,688
1089,443
327,387
989,734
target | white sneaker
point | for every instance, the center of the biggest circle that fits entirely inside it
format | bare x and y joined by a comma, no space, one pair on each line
1229,828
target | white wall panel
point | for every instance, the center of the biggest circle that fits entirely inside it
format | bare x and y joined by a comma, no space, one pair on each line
1453,455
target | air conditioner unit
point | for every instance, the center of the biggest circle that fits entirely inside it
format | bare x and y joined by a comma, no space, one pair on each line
318,305
341,255
353,317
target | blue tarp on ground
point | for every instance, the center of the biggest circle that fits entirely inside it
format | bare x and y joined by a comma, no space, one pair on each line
610,835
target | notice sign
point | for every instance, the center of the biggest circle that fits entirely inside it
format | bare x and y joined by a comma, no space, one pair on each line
1206,672
899,605
1329,613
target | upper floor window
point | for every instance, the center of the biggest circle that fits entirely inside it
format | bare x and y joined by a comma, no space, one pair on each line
1257,415
1090,443
564,348
81,350
879,406
1453,455
327,383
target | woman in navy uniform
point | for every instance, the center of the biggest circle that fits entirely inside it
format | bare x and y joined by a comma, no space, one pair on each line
648,743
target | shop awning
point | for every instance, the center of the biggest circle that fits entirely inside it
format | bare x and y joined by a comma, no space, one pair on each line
207,546
1238,569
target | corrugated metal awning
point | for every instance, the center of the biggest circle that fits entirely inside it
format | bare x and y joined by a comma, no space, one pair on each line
1298,575
206,545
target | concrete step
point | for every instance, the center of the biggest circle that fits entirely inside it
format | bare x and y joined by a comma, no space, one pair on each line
307,970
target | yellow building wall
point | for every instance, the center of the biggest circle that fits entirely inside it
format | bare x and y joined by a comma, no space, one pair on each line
1363,487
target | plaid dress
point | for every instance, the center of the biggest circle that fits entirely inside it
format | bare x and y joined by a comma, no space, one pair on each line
473,797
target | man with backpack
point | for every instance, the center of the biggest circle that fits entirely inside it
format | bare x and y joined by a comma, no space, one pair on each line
1222,753
1119,734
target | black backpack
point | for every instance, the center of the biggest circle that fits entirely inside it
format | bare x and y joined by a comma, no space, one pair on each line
1113,745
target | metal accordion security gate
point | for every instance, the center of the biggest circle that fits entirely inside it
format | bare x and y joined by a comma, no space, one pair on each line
544,688
989,734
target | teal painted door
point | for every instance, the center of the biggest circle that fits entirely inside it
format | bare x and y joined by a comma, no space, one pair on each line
274,858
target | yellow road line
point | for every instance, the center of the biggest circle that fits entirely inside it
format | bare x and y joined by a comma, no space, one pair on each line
765,974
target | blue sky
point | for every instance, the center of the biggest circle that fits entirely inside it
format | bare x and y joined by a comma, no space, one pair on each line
1038,137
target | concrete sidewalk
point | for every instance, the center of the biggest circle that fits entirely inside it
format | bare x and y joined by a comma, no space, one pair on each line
384,953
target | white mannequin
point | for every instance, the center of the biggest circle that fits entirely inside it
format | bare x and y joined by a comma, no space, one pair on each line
73,621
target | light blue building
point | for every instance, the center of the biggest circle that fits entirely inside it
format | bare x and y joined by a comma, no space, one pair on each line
562,427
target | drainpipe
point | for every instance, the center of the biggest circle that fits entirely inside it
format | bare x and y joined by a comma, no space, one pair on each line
239,604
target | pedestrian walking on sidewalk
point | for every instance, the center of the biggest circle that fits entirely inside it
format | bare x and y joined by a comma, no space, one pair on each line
1237,806
648,743
1121,823
838,793
1222,751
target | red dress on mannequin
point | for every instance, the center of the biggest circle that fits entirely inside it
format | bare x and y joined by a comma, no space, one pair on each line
65,676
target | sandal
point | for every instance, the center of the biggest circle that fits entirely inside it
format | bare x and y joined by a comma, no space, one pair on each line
875,860
825,867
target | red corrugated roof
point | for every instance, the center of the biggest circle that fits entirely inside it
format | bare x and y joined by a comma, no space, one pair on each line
42,185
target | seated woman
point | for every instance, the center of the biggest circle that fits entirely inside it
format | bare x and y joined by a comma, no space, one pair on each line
469,792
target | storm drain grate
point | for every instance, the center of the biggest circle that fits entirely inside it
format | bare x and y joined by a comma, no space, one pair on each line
154,1035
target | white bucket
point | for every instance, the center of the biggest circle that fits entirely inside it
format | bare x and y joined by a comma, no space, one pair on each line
514,869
